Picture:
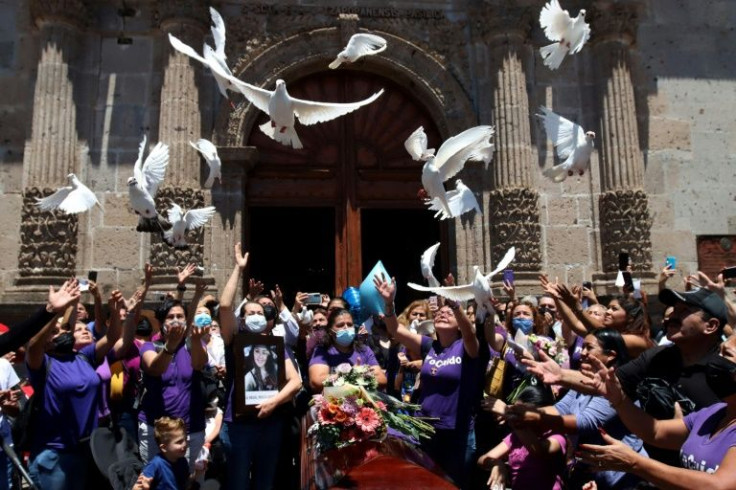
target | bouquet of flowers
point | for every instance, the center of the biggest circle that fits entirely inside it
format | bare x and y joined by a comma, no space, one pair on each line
555,349
350,410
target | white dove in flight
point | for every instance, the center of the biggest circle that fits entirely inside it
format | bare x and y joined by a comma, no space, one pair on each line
471,144
214,58
359,45
183,222
283,109
479,289
427,263
143,185
460,201
209,152
574,145
72,199
569,34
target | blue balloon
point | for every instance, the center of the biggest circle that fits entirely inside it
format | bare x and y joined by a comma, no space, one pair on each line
352,296
370,299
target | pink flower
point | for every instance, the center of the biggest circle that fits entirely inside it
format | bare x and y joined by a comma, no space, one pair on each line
367,420
381,406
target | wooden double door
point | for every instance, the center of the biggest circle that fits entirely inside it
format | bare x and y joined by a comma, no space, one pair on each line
319,218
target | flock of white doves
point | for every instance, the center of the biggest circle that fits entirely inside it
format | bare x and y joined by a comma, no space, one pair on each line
572,143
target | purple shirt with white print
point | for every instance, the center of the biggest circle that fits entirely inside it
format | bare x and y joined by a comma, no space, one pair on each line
451,383
701,452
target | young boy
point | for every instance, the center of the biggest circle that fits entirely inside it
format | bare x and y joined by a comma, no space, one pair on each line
168,470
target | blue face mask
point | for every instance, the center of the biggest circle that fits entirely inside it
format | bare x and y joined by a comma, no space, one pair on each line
345,337
202,320
524,324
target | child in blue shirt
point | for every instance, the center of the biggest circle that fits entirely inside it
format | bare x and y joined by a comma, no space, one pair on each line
169,469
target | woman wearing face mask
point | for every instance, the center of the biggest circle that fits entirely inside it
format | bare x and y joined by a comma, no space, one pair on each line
61,366
339,346
251,442
706,438
582,415
172,380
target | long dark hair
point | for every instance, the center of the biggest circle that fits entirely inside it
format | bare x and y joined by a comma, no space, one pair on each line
271,378
637,318
611,341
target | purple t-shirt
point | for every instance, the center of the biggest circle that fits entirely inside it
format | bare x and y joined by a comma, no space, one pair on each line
700,452
176,393
332,357
70,399
450,376
535,471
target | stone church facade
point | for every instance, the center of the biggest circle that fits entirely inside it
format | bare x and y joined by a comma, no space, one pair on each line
83,81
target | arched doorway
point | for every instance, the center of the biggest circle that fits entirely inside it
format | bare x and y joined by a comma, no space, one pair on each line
323,215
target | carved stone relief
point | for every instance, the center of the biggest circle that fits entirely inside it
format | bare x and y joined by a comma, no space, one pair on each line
271,42
166,259
513,220
70,11
48,240
625,227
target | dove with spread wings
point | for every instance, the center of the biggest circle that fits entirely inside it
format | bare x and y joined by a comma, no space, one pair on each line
284,109
143,185
214,58
574,145
471,144
570,35
359,45
71,199
479,289
183,222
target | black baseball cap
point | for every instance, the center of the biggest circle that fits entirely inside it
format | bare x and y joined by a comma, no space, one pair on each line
702,298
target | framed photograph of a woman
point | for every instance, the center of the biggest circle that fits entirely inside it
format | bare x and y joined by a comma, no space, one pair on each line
259,370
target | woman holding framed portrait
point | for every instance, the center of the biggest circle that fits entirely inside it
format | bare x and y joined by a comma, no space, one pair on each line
261,379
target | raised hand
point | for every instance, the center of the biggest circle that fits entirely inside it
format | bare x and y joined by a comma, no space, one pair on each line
604,380
197,333
299,301
184,273
387,289
255,288
134,300
147,275
174,334
278,297
546,369
94,289
718,286
67,294
241,259
449,281
548,286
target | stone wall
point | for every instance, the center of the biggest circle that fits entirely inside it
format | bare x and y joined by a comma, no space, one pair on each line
677,60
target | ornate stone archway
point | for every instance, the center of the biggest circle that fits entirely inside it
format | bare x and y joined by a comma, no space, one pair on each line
296,55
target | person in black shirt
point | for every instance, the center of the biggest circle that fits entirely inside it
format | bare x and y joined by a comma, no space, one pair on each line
670,380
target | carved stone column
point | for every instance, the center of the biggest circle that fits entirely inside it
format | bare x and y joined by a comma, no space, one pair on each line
625,222
49,240
512,208
179,123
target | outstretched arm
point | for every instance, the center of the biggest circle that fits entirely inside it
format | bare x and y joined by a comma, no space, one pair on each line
227,313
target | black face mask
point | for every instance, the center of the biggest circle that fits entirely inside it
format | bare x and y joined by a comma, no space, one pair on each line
720,374
64,343
269,311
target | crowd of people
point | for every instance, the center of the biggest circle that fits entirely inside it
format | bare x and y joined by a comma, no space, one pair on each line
546,392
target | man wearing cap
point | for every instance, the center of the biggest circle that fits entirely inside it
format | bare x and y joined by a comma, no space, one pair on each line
678,370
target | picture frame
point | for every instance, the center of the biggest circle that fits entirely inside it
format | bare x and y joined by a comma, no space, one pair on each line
260,370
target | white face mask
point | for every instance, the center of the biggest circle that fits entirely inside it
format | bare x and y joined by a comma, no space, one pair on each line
255,323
